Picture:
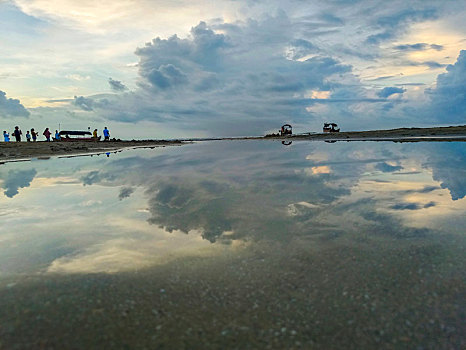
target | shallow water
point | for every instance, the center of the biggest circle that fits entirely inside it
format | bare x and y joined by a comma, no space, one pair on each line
231,244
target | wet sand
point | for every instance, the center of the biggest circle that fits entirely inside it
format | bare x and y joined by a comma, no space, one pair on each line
27,150
451,133
306,295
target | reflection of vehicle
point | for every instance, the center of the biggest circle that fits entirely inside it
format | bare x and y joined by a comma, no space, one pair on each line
286,130
287,143
331,127
77,136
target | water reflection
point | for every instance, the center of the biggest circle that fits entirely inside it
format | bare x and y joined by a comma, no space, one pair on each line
346,232
252,190
224,192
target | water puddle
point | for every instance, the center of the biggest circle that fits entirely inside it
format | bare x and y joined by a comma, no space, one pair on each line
306,237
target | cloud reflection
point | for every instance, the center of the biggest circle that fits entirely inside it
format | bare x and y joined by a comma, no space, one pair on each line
17,179
179,200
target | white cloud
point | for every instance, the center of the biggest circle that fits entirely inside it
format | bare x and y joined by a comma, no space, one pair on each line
254,63
78,77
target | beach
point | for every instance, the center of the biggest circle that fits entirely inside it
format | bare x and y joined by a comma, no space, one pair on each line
26,150
10,151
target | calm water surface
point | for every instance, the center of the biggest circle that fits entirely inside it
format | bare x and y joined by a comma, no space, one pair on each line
246,244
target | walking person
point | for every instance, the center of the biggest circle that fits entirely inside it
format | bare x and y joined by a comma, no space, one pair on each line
34,135
57,136
94,134
106,133
6,136
47,134
17,134
28,136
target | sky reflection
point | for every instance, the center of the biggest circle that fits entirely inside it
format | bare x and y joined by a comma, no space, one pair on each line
146,207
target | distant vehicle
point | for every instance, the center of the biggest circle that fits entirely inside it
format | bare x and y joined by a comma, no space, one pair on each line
331,127
286,129
73,135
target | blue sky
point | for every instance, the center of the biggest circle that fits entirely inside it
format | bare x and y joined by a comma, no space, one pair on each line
202,68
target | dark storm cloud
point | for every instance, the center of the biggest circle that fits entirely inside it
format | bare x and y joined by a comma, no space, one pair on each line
116,85
388,91
17,179
10,107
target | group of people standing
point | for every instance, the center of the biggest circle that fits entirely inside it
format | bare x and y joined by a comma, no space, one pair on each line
32,135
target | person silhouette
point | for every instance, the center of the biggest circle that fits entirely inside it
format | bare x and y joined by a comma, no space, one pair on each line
47,134
106,133
17,134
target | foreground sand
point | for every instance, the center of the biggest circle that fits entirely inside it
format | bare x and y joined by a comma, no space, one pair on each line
379,295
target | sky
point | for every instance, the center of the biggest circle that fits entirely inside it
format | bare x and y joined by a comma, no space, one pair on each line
197,68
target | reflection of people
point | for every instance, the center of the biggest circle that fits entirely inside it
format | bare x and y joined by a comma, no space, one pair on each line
106,133
57,136
6,136
47,134
94,134
17,134
28,136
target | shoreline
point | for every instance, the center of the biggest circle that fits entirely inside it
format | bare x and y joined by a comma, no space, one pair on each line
24,151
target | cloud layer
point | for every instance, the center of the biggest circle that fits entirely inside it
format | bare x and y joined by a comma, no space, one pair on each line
449,96
10,107
17,179
243,68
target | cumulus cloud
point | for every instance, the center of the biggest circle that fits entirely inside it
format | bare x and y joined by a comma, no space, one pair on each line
17,179
10,107
449,96
224,75
261,68
116,85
